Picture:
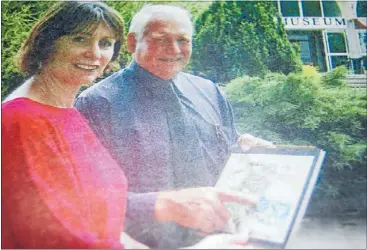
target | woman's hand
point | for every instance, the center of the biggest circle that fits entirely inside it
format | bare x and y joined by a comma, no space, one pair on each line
198,208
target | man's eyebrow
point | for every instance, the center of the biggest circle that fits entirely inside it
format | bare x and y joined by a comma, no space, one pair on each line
160,34
156,34
186,36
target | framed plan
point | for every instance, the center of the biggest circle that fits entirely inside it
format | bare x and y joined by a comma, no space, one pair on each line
283,178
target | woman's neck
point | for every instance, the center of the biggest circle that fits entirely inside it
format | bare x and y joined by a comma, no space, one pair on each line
48,90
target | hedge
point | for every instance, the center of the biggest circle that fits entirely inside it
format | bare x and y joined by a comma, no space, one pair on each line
311,109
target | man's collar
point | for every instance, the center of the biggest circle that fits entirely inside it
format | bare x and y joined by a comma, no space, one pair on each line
147,78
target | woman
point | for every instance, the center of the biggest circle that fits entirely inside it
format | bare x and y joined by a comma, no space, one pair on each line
60,187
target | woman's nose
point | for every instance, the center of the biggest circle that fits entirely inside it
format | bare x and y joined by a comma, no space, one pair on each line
94,51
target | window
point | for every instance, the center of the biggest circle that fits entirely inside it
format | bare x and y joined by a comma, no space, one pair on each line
331,9
311,8
362,8
305,52
336,43
337,50
318,8
303,41
289,8
339,61
362,35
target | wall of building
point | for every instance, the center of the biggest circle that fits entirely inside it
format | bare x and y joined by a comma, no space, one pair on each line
329,33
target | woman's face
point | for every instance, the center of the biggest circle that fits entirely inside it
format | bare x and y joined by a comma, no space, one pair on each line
80,58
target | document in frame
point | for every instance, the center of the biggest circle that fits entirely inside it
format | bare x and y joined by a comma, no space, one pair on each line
283,178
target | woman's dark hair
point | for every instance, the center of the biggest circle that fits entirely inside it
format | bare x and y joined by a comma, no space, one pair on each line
66,18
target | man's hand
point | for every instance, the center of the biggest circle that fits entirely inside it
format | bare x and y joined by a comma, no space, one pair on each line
246,141
198,208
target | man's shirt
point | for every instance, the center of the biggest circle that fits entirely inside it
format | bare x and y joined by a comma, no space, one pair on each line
165,134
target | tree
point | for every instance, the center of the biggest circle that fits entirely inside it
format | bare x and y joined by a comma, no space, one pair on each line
17,19
245,37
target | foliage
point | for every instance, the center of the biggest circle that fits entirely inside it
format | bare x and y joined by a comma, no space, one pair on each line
310,109
242,37
17,19
19,16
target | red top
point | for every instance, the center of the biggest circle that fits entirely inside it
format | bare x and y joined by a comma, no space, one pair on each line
60,187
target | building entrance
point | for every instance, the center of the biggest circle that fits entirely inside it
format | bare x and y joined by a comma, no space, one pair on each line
311,47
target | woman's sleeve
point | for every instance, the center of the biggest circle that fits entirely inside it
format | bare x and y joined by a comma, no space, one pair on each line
43,205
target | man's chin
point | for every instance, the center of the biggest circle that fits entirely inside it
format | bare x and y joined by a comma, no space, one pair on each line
167,74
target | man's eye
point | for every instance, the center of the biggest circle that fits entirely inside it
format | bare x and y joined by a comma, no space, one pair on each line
159,40
183,40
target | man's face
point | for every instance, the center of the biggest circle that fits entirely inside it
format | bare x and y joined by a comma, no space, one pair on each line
165,48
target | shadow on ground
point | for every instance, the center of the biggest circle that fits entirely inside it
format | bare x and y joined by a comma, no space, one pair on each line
316,233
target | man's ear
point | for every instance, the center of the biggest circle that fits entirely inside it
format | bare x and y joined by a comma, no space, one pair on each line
131,42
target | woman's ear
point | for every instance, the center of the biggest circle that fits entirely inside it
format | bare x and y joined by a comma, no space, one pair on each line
131,42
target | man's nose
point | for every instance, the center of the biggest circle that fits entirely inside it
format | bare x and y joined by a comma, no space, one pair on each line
174,47
94,51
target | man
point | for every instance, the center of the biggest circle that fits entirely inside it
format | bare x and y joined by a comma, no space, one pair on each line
167,129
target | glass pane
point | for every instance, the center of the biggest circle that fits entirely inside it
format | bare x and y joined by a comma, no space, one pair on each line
331,9
305,52
363,41
289,8
311,8
362,8
336,43
339,61
359,65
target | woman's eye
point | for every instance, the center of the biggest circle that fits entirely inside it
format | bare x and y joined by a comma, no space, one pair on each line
106,43
78,39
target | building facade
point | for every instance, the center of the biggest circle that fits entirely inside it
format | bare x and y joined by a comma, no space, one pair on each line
329,33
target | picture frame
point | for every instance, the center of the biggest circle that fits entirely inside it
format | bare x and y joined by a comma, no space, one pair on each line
283,178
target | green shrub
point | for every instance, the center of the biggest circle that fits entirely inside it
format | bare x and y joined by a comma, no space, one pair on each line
309,109
17,19
234,38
